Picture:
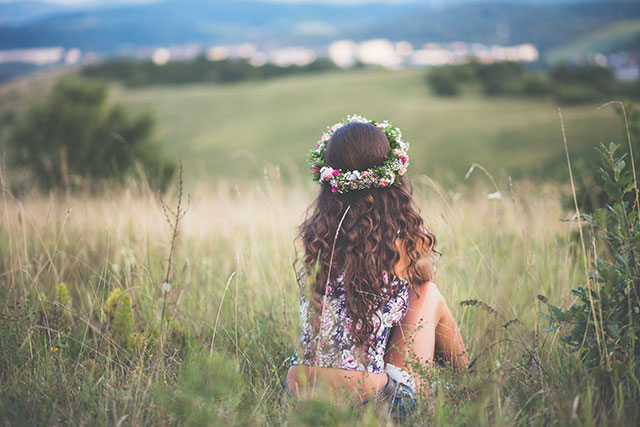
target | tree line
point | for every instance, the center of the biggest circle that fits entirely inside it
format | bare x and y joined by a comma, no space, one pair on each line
199,70
567,84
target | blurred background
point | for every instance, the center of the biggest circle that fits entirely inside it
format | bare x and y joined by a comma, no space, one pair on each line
95,90
102,322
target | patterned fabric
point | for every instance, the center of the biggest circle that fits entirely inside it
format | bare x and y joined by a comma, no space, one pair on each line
333,344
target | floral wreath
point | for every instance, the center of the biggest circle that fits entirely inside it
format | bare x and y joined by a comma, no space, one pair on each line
385,175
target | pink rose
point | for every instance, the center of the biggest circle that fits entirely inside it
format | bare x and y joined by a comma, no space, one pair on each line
325,137
402,170
404,160
381,125
336,172
326,173
398,152
334,190
336,127
365,174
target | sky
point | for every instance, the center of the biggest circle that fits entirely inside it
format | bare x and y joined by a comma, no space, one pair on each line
111,2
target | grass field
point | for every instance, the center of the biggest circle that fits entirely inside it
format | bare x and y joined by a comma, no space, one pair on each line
213,347
233,275
236,129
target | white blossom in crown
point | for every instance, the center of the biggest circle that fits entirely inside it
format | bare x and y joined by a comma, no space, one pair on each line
386,175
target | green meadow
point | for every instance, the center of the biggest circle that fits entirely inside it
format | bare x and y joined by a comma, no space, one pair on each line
212,345
233,130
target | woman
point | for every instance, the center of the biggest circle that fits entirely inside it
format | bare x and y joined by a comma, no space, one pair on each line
371,316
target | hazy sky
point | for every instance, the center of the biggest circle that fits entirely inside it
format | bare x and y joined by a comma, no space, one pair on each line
111,2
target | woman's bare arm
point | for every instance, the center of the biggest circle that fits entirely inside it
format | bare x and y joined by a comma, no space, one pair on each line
427,327
449,343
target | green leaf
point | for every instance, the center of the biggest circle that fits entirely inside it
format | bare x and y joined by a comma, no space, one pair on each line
557,313
614,329
546,316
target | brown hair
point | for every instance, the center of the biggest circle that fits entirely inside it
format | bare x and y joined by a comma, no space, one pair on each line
366,243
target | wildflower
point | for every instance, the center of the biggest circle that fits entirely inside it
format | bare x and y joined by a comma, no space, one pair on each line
326,173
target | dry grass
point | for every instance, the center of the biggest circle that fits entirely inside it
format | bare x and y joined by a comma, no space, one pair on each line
233,274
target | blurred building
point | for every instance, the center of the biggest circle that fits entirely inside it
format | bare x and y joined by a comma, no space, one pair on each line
37,56
382,52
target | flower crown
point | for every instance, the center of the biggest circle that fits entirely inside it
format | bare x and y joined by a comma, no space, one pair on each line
342,181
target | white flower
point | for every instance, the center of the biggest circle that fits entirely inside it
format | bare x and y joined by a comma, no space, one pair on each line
494,196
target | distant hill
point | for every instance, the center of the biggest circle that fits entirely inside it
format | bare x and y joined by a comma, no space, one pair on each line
621,35
112,30
507,23
23,12
185,21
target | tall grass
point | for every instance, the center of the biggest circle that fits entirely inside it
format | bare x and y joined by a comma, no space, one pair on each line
231,313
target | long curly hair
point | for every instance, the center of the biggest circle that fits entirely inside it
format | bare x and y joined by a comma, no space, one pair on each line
375,226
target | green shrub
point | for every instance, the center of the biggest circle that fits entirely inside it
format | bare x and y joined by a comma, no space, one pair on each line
600,79
577,93
75,137
443,83
605,318
590,192
535,85
501,78
122,325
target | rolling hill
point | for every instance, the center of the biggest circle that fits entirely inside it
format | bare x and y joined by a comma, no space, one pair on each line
619,36
115,29
235,130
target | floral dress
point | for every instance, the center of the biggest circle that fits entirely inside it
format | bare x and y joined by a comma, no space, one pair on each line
333,344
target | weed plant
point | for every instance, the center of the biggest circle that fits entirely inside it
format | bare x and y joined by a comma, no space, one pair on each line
205,337
604,318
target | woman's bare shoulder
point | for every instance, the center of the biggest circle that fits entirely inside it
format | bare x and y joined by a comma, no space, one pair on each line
431,294
428,288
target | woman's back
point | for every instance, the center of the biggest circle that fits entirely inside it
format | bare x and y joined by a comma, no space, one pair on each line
326,340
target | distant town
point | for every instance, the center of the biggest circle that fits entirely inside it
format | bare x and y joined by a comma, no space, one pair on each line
344,53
